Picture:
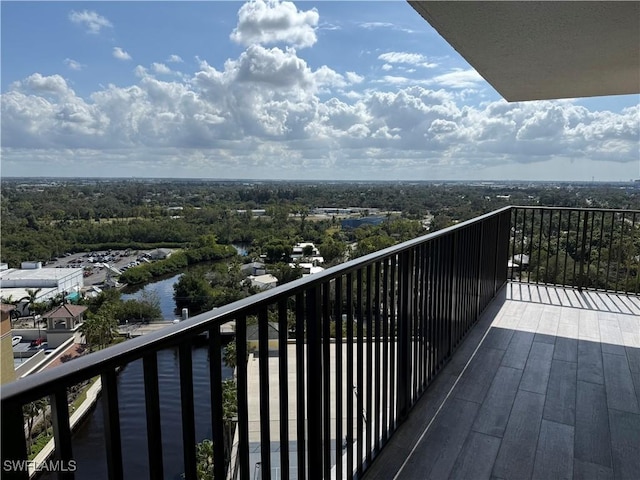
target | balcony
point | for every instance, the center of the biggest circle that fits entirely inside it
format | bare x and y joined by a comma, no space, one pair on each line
546,385
454,351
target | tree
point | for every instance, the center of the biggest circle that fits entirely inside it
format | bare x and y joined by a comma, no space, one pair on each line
193,292
229,355
32,411
33,295
204,460
100,328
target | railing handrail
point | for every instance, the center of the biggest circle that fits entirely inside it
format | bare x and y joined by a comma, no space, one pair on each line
43,383
575,209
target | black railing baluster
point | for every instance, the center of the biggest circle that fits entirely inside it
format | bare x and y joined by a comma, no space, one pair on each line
531,245
606,278
575,280
358,389
338,375
14,447
522,238
61,430
314,383
188,411
349,440
385,351
583,251
369,365
422,356
242,389
301,410
404,334
555,271
152,409
513,232
588,267
620,248
540,240
283,371
632,258
393,326
111,418
600,243
378,391
220,462
546,269
263,372
325,320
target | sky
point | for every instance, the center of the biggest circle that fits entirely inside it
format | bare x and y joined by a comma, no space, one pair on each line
362,90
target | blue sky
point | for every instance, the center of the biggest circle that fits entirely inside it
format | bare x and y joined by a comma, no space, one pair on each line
277,90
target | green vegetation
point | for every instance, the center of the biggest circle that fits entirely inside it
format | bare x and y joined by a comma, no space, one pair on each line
178,261
42,219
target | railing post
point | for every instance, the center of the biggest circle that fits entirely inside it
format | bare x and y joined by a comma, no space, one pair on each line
14,448
583,248
61,429
405,315
111,415
314,383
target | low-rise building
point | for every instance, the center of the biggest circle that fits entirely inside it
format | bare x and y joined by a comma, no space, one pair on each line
63,322
263,282
7,371
160,253
46,282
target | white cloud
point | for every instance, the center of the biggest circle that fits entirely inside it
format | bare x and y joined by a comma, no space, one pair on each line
174,59
120,54
91,21
459,79
269,22
268,111
353,78
372,25
161,68
72,64
407,58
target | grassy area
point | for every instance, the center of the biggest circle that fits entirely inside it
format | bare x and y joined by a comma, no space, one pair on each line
39,443
82,396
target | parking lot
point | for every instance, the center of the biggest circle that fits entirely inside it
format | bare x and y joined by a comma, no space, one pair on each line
92,263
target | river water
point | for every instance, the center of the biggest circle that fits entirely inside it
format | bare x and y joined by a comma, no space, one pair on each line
163,289
88,441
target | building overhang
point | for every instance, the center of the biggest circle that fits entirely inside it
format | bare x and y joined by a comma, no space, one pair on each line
534,50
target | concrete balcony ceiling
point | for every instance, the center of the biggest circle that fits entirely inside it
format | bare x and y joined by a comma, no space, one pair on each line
534,50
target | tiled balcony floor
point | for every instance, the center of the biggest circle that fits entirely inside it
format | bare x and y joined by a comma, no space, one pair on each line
547,385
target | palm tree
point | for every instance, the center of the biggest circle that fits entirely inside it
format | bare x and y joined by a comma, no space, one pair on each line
100,328
33,295
31,411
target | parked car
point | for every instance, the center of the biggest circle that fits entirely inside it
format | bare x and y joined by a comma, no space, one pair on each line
16,340
38,341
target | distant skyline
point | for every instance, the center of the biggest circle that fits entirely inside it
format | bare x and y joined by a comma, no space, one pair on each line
362,90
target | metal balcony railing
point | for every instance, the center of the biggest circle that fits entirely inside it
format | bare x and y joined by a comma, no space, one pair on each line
370,337
575,247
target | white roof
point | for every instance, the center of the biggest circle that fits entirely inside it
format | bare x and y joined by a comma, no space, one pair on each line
20,293
266,278
38,273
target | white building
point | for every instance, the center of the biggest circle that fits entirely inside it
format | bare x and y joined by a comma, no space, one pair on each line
263,282
298,253
50,281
